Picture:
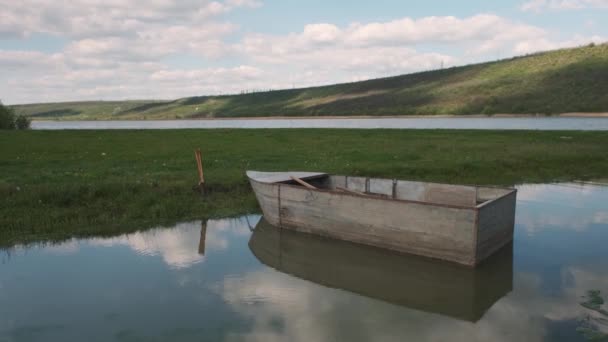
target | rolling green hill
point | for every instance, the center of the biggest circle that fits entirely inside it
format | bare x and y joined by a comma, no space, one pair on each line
562,81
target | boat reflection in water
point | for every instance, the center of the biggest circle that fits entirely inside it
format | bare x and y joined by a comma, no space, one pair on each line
406,280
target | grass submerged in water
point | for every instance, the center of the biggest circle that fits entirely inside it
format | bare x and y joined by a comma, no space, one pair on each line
593,327
60,184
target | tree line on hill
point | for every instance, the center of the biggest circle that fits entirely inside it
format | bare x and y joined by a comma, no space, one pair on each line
10,120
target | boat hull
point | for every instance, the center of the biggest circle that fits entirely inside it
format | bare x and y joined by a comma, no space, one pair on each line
461,234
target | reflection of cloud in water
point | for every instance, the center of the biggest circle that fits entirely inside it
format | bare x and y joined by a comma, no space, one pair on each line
568,206
218,231
64,248
601,217
67,247
535,222
179,246
572,194
309,312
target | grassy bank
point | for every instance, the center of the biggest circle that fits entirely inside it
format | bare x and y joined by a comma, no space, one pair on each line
57,184
570,80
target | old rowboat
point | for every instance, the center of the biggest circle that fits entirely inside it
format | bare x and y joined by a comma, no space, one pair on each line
462,224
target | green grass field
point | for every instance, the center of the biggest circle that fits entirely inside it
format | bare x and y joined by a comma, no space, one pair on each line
59,184
570,80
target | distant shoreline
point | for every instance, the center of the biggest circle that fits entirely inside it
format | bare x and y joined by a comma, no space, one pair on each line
350,117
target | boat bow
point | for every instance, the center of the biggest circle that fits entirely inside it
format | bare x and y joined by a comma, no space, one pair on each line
278,177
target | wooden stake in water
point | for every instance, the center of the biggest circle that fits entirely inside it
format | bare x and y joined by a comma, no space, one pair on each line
199,164
201,243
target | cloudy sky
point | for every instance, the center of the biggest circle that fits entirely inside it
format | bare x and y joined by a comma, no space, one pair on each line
165,49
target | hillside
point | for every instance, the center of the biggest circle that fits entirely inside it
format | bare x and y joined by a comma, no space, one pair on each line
570,80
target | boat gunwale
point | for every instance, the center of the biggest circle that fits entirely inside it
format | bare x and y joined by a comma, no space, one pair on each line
321,174
335,192
494,200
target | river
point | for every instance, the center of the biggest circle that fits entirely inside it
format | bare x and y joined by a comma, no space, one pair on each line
531,123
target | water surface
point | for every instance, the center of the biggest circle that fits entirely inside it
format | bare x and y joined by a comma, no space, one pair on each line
532,123
219,281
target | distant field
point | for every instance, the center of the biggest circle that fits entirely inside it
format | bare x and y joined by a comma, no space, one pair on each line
570,80
58,184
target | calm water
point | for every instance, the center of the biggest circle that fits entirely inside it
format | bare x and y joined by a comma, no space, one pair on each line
541,123
217,280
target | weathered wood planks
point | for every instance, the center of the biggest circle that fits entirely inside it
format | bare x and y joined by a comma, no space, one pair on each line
435,220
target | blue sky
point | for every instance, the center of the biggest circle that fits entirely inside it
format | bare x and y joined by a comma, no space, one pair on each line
119,49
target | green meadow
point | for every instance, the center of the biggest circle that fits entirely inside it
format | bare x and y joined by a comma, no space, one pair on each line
60,184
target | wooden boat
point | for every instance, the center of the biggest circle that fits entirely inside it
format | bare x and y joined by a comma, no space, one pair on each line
462,224
406,280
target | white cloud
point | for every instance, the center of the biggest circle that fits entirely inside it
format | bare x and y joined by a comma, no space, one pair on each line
155,43
544,43
394,34
356,51
236,74
126,49
12,60
439,29
539,5
321,33
93,18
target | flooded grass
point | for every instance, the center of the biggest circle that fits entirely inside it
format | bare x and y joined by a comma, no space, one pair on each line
59,184
594,326
594,300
